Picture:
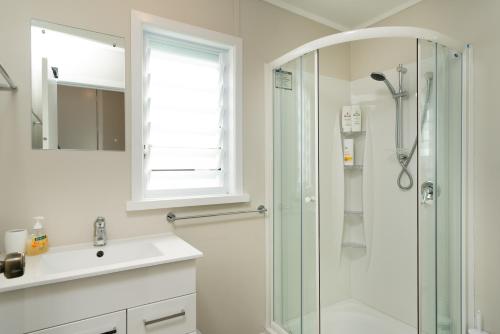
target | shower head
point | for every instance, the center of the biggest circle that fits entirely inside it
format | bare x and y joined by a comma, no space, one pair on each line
378,76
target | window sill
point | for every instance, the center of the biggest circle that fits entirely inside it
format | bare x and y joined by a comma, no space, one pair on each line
155,204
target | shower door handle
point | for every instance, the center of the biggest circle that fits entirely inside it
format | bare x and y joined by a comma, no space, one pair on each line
427,192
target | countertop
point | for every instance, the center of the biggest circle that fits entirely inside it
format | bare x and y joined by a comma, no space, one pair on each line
170,249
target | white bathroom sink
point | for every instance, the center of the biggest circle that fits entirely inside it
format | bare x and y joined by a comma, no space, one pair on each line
85,260
93,257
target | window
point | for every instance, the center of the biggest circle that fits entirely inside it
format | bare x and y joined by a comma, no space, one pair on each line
186,124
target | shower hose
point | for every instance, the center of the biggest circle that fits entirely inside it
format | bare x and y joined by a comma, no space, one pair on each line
404,161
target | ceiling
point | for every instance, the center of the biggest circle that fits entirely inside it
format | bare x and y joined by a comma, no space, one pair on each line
345,14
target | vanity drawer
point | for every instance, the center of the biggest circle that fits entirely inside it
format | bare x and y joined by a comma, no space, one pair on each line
112,323
173,316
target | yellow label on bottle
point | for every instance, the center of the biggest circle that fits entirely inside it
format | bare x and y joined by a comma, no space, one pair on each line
40,242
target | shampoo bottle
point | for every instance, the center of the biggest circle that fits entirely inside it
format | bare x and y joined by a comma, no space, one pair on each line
356,119
38,242
346,119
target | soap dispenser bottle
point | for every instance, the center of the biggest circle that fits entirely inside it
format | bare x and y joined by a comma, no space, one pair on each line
38,242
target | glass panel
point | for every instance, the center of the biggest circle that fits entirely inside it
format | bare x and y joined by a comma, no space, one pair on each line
449,181
427,175
294,211
287,197
335,267
440,162
309,202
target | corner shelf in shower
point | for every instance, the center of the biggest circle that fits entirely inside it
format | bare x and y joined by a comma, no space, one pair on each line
353,238
353,167
354,245
353,213
352,134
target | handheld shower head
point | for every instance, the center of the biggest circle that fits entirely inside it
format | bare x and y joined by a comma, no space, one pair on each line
378,76
403,157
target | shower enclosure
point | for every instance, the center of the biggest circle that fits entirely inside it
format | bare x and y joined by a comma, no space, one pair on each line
372,244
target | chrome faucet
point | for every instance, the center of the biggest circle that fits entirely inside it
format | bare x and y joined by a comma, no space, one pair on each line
100,237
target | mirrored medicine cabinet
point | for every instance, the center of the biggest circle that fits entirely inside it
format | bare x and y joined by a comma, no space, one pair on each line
78,89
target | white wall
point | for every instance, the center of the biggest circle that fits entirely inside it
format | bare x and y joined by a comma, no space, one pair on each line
72,188
476,23
386,278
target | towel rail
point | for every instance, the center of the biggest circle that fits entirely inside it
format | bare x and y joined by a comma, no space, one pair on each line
172,218
11,84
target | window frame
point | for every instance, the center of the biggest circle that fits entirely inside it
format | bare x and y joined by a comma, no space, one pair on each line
141,22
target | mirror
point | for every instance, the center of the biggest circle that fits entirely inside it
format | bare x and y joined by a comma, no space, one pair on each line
78,89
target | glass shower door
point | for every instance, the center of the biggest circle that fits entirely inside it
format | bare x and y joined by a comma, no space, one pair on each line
440,177
294,202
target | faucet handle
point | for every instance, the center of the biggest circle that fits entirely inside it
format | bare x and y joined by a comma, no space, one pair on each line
100,222
100,237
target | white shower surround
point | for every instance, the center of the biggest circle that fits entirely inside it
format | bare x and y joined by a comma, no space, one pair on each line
468,295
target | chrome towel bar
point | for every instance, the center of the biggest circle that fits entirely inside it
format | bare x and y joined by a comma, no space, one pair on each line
11,84
172,218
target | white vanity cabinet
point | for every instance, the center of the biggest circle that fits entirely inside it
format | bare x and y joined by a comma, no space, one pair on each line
172,316
153,295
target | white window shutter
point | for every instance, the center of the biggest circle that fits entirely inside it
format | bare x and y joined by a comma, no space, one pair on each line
185,141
